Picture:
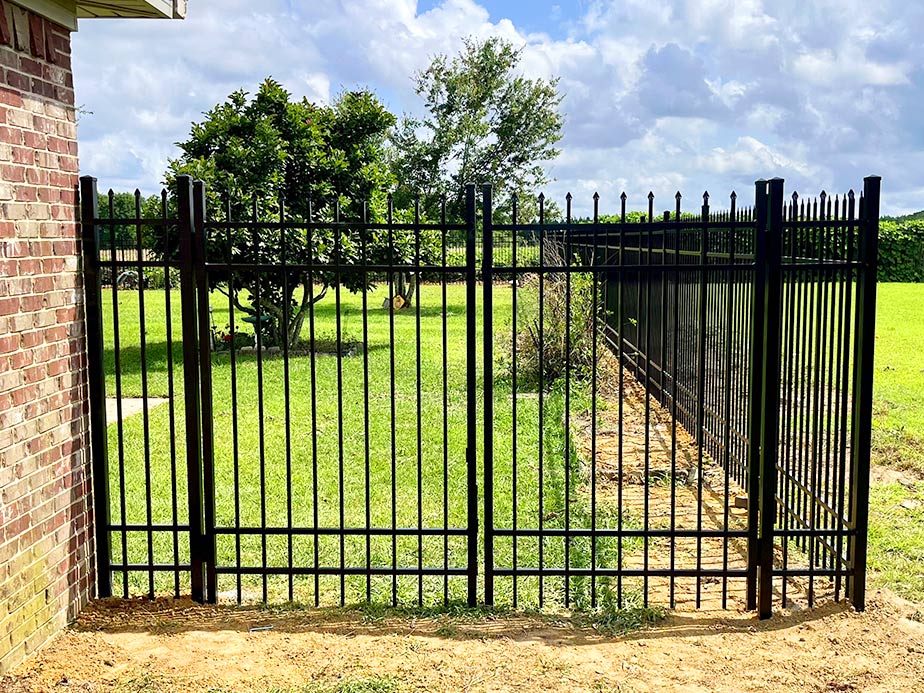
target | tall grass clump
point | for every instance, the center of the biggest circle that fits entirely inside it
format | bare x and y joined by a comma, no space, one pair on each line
555,322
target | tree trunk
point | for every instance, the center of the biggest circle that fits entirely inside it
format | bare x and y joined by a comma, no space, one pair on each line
405,288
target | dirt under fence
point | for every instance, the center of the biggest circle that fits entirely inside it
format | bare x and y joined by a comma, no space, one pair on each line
176,646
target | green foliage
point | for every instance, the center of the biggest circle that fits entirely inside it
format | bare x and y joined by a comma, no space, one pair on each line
564,339
484,123
122,205
901,251
914,216
322,163
158,278
631,217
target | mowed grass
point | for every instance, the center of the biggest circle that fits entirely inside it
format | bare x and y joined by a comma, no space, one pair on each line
897,507
347,451
898,407
286,466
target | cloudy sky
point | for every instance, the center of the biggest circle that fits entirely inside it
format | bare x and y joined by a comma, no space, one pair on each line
687,94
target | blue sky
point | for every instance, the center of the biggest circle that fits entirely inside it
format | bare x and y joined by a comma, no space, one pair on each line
688,94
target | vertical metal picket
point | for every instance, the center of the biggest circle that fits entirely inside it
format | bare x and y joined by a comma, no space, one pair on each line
487,280
471,392
185,224
96,381
862,408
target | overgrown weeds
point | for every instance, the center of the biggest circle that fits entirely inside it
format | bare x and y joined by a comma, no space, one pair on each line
556,313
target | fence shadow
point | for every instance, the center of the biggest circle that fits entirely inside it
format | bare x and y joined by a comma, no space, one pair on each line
166,616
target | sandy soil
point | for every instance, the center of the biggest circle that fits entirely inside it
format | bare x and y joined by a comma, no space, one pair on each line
176,646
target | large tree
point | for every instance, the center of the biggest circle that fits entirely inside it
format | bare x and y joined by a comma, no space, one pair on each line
484,123
320,162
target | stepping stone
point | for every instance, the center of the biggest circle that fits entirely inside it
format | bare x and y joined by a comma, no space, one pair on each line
130,406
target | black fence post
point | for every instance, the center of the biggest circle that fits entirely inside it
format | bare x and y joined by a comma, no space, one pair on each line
471,295
487,281
755,387
185,224
205,391
770,414
96,381
862,408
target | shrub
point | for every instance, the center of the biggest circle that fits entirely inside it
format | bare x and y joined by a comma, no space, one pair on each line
558,349
157,278
901,251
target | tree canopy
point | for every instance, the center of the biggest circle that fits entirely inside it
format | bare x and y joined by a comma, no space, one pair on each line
484,123
273,157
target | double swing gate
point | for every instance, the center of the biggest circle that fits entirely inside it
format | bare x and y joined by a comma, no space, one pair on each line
351,403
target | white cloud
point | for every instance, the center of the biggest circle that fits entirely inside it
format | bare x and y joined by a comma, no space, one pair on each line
690,94
830,67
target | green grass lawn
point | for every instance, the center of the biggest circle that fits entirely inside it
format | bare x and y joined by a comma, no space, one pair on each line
898,409
291,466
897,509
317,469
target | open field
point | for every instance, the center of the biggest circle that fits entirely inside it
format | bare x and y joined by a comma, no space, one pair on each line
896,547
898,407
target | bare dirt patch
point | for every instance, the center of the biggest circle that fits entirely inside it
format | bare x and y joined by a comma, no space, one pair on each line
174,645
651,470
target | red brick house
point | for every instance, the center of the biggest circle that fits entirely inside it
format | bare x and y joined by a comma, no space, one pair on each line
46,532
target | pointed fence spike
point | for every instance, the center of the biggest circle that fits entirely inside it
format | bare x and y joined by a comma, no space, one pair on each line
596,196
568,196
623,197
650,195
850,194
541,197
678,195
733,195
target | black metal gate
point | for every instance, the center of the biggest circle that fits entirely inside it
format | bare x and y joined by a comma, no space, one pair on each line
661,409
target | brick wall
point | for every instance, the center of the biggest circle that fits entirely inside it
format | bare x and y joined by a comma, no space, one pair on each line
46,549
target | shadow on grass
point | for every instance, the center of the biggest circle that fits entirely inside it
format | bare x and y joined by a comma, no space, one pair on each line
156,357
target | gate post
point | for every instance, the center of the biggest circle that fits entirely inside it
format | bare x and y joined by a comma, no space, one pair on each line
487,281
96,381
205,391
770,407
471,381
755,386
184,194
862,407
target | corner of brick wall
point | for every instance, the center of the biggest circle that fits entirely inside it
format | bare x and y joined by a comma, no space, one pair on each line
46,534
